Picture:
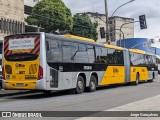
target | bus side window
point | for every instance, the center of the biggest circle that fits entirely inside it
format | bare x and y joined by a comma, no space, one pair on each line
91,54
66,51
98,54
110,56
55,51
82,53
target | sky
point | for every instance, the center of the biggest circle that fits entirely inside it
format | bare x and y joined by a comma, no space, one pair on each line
150,8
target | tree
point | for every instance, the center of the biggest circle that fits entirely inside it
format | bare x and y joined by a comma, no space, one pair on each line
51,15
83,26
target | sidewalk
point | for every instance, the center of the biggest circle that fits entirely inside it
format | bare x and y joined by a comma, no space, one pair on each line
149,104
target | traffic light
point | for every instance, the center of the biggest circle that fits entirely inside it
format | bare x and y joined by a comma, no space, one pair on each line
102,32
143,23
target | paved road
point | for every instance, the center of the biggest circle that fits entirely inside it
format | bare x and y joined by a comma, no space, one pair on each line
103,99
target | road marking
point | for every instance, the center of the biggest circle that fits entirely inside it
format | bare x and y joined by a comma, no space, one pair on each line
149,104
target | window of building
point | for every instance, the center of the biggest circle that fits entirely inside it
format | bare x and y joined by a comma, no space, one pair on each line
27,9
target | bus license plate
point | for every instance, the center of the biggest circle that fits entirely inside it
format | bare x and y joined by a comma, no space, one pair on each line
20,85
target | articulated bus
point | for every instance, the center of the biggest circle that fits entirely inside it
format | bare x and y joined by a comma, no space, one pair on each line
42,61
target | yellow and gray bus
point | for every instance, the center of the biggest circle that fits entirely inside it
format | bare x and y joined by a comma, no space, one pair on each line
42,61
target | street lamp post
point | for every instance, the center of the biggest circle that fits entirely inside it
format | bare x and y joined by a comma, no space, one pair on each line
123,32
121,6
106,12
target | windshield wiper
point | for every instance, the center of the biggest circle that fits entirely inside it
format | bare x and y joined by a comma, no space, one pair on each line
72,58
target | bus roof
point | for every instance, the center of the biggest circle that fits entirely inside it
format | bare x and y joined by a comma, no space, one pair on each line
137,51
114,47
78,38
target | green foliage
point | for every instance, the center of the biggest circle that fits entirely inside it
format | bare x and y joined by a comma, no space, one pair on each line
83,26
51,15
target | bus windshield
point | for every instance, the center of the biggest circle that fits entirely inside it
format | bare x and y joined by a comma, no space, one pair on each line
22,48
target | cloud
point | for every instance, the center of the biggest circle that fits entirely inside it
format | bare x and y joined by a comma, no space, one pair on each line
139,7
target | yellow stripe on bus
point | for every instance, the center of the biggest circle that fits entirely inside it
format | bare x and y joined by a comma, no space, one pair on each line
78,38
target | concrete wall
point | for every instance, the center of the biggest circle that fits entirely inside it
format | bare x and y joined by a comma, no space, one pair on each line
11,17
12,9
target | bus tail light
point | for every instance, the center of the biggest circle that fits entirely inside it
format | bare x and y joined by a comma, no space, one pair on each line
40,73
3,73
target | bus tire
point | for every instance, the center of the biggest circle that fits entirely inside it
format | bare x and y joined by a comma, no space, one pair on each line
137,80
80,85
153,77
92,84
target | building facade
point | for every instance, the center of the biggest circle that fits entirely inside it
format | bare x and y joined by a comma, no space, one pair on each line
114,27
11,17
101,20
125,24
28,5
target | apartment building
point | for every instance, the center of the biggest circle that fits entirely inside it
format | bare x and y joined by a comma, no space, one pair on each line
28,5
116,23
11,17
114,27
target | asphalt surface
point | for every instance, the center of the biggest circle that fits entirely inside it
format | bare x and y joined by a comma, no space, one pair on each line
103,99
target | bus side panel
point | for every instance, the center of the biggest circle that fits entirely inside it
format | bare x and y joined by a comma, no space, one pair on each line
113,75
142,71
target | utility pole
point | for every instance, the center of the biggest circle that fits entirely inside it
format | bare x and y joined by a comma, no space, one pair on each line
106,12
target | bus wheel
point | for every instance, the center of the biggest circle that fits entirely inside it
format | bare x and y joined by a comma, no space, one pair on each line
153,77
137,80
80,85
92,84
